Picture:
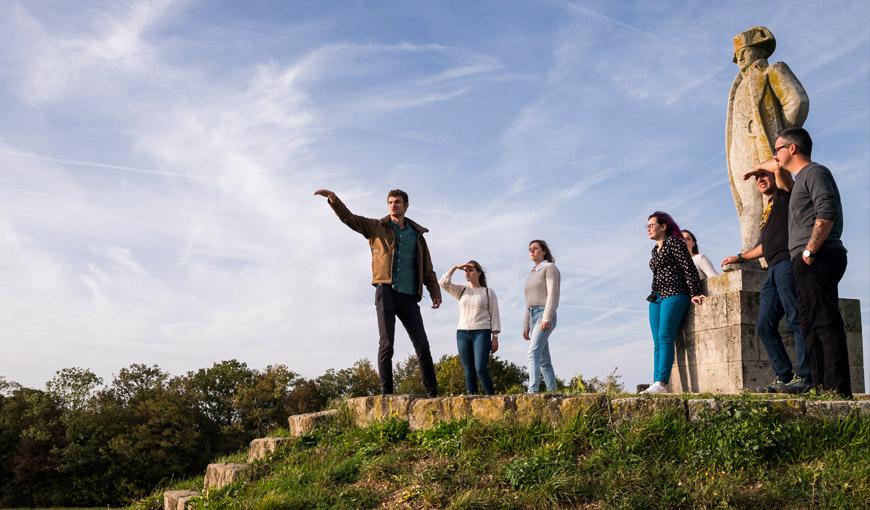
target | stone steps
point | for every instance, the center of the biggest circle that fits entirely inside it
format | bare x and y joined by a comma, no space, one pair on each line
553,409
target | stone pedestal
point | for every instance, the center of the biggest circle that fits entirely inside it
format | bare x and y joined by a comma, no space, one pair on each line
718,349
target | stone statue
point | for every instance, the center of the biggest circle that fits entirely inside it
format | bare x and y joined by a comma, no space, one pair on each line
763,100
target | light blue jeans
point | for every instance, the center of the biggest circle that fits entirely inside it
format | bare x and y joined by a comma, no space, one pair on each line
665,317
539,352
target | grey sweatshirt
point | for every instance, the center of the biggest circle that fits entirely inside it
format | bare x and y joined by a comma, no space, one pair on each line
814,196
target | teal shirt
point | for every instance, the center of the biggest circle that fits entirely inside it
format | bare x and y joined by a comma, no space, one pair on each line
405,259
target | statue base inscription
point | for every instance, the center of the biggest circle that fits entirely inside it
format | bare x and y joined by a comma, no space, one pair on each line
718,349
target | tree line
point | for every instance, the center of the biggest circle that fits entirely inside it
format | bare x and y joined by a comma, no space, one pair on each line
81,442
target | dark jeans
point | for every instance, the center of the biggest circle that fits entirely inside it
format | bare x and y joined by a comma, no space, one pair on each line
391,304
819,312
778,300
474,346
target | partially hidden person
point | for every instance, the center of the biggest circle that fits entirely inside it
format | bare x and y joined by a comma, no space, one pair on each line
705,267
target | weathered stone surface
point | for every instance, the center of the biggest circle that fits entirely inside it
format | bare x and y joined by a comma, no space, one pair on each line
186,502
176,500
542,407
261,448
459,407
493,409
835,409
426,412
366,410
361,410
218,475
625,410
787,408
574,406
702,407
861,396
301,424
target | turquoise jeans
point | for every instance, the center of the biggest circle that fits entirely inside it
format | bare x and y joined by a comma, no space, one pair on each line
665,317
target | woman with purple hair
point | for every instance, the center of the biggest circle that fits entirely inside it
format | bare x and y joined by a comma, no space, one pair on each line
675,283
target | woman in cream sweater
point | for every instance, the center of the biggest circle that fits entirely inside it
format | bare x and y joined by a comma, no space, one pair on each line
542,299
479,324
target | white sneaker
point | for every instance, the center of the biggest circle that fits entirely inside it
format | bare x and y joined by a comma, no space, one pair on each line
657,387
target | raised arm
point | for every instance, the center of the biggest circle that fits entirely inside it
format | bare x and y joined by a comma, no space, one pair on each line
365,226
784,180
451,288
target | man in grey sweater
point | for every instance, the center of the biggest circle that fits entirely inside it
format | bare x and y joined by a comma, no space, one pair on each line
815,224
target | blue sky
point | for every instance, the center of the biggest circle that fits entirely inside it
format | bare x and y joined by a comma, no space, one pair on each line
157,161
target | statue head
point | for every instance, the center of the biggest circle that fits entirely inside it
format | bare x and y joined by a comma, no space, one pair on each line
759,43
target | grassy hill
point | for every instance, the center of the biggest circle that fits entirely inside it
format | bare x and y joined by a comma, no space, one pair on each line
744,457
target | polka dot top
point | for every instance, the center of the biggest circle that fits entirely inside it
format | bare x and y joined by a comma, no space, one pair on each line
673,270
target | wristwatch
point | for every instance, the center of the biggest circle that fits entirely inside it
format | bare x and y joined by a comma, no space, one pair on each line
740,257
808,254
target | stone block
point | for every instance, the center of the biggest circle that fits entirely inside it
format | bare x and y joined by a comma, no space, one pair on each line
394,405
736,280
177,500
426,412
219,475
574,406
543,407
787,408
301,424
361,410
702,407
459,407
493,409
186,502
261,448
632,409
835,409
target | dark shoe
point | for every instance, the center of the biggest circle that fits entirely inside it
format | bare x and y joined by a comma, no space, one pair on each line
777,386
797,385
432,394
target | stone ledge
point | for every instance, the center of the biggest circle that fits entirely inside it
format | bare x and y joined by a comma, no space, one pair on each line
219,475
555,409
301,424
835,409
261,448
178,500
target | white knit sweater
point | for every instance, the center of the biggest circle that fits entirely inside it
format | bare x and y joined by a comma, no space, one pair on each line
473,310
542,289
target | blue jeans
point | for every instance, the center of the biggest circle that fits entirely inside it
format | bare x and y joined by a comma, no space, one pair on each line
474,346
778,300
539,352
665,317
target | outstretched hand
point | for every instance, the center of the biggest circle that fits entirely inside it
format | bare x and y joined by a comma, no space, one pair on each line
729,260
325,193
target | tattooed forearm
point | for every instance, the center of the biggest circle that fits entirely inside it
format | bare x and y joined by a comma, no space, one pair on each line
821,230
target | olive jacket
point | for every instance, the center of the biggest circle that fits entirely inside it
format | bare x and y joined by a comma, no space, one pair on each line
382,242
